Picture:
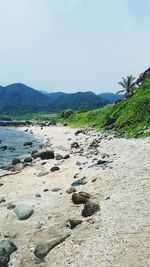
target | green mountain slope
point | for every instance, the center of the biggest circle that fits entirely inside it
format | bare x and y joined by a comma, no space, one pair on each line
128,117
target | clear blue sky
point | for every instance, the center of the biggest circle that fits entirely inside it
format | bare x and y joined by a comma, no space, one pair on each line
72,45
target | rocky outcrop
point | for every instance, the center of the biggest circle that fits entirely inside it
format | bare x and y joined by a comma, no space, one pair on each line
143,76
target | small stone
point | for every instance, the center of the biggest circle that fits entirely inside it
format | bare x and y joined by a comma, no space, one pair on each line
10,206
94,180
1,184
79,182
100,161
42,173
90,208
58,157
67,156
75,145
38,195
73,223
70,190
56,189
28,160
2,199
28,143
55,168
45,190
23,211
78,163
15,161
80,198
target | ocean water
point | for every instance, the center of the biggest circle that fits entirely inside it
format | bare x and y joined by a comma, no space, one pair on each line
13,137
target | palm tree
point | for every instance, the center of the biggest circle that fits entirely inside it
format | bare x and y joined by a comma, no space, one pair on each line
128,84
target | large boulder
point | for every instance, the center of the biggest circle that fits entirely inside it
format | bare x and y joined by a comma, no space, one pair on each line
23,211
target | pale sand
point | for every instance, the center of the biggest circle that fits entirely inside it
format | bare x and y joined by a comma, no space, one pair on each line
117,236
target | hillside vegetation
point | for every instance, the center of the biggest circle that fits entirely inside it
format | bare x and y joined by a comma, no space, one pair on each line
128,117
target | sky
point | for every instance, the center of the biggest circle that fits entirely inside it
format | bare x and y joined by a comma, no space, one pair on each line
73,45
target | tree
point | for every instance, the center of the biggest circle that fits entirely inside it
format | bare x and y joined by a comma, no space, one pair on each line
128,84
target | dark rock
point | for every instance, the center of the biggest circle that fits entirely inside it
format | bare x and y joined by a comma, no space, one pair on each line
45,190
80,198
79,182
44,248
110,120
100,161
15,161
78,163
2,199
23,211
90,208
1,184
70,190
48,154
56,189
79,131
75,145
10,206
67,156
35,154
3,148
55,168
73,223
28,160
37,195
6,249
28,144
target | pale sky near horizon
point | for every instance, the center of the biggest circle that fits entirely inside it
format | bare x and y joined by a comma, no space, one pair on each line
73,45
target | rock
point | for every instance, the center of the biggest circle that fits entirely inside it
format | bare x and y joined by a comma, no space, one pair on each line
73,223
70,190
94,180
42,173
58,157
90,208
55,168
2,199
80,198
110,120
28,144
28,160
1,184
56,189
78,163
10,206
23,211
79,182
15,161
80,131
6,249
75,145
18,167
37,195
67,156
44,248
100,161
48,154
3,148
35,154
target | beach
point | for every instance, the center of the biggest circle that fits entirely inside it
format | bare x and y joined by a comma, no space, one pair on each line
117,176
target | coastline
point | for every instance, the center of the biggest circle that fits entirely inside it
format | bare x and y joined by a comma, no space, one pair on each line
110,237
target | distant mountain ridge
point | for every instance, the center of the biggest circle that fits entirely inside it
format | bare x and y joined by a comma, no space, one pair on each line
111,97
17,99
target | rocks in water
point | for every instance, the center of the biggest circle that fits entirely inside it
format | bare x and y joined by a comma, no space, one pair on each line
28,143
80,198
56,189
90,208
58,157
75,145
2,199
28,160
48,154
15,161
73,223
79,182
67,156
23,211
55,168
70,190
44,248
18,167
3,148
6,249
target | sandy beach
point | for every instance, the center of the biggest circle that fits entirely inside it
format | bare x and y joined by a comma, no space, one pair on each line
116,236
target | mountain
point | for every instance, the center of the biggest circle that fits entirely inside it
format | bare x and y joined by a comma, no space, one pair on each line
111,97
17,99
128,117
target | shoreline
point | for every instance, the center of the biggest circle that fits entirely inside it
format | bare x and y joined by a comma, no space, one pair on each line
117,234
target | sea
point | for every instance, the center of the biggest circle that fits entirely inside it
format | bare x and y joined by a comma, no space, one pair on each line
14,137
